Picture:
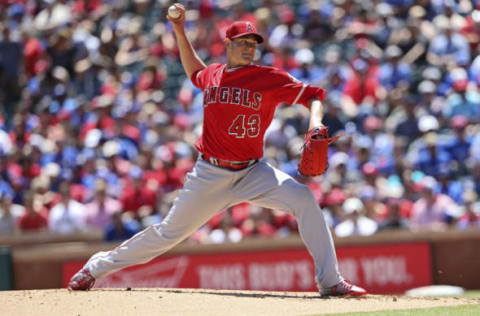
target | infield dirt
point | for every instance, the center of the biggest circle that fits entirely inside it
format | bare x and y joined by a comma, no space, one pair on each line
185,302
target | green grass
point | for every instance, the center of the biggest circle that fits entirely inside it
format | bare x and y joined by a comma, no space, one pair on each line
471,294
464,310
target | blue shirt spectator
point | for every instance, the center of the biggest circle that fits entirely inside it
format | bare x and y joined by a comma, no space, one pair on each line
432,157
448,47
117,230
394,72
463,102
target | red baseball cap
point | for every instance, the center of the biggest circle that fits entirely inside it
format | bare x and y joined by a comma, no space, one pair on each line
242,28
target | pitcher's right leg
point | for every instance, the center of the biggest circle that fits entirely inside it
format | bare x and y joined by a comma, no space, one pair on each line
206,192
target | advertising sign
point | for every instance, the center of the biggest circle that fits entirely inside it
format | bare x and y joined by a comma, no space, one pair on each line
390,268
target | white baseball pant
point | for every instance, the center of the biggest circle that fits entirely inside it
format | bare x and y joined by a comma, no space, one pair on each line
209,189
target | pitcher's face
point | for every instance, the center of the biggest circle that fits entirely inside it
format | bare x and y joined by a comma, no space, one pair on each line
241,51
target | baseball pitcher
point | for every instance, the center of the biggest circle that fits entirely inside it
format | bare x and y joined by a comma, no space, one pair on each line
239,103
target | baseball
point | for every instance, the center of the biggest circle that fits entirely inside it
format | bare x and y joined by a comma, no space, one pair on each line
173,12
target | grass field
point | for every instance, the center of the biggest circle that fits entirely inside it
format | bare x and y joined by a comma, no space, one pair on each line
467,310
475,294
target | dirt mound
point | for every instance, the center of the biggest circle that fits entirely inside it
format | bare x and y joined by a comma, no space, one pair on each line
201,302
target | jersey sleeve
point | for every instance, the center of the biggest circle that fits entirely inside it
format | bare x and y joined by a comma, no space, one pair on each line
292,91
201,77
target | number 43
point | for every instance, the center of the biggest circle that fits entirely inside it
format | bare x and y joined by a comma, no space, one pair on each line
251,128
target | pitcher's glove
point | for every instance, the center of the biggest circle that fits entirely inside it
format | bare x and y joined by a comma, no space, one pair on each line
315,152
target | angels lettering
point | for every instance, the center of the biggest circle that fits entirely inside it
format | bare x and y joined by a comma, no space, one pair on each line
232,95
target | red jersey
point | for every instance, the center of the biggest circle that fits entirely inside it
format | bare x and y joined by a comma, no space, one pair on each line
239,105
32,221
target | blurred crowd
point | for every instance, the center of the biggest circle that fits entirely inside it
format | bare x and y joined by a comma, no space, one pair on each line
98,118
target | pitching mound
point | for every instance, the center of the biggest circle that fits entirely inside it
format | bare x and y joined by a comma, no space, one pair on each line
201,302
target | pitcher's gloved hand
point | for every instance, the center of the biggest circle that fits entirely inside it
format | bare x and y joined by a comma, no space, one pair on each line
314,160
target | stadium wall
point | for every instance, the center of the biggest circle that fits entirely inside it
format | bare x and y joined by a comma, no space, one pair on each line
450,258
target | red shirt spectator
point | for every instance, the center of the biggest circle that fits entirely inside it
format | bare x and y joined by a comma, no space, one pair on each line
151,79
284,60
471,211
31,169
84,6
240,213
159,176
136,195
471,30
176,175
362,83
32,53
32,219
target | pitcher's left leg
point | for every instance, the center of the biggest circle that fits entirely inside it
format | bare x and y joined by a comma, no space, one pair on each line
269,187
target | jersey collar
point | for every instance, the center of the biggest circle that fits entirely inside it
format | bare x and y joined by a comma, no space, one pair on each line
235,68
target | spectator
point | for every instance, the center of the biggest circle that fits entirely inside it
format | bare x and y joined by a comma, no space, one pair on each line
448,48
332,120
332,204
10,62
382,142
459,143
373,207
317,29
471,211
133,49
430,100
64,52
355,222
284,34
471,30
5,179
395,73
399,162
279,137
462,101
408,126
33,219
335,73
387,23
226,231
432,157
360,88
117,230
52,14
363,151
136,194
7,218
41,192
432,210
259,224
474,178
99,211
412,35
68,216
449,185
341,172
394,220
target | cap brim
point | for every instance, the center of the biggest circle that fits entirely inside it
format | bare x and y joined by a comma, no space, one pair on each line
258,37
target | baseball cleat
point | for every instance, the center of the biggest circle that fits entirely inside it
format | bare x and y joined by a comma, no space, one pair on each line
81,281
344,288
